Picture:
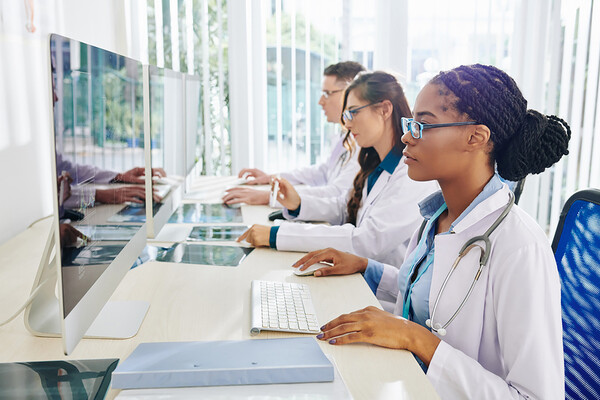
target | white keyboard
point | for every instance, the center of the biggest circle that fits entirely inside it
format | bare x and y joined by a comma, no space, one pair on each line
282,306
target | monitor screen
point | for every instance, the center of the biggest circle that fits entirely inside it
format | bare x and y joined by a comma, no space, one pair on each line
165,145
98,169
194,126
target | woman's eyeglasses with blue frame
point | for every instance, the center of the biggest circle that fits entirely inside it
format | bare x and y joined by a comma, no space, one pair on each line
416,128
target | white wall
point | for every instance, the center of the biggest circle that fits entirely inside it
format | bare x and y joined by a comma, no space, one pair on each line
25,124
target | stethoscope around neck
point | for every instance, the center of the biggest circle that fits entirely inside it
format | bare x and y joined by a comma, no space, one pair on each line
483,260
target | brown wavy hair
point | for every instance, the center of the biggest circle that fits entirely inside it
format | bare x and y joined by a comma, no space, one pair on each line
374,87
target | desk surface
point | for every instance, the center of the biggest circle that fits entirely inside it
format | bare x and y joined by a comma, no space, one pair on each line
191,302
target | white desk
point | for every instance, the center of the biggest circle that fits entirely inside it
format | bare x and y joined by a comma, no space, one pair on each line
190,302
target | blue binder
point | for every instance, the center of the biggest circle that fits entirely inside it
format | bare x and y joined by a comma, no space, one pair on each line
243,362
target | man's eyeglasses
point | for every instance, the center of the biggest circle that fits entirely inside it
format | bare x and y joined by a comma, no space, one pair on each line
327,93
416,128
348,115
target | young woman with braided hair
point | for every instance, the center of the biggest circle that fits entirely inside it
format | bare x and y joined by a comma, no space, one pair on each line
477,299
378,215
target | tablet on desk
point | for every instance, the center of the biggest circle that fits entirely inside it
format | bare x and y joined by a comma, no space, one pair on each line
206,213
216,233
189,253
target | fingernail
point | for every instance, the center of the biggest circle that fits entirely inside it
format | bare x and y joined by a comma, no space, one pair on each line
323,327
320,336
332,341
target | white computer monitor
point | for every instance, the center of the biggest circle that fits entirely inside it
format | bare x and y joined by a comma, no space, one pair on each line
194,129
164,123
98,120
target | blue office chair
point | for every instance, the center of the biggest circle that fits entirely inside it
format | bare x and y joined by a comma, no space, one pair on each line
576,248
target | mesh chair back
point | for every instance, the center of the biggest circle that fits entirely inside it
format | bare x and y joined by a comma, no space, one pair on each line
576,248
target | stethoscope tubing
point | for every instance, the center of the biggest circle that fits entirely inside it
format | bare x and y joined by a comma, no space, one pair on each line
483,260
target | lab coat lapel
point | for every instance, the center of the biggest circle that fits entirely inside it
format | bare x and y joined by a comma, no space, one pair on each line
369,199
446,252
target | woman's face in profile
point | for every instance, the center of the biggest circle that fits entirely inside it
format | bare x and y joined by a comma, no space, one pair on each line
366,126
437,154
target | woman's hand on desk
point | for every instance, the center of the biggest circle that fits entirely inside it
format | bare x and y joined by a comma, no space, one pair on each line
257,235
378,327
260,178
246,195
343,263
287,196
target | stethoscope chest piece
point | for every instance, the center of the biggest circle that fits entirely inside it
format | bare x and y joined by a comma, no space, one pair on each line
438,328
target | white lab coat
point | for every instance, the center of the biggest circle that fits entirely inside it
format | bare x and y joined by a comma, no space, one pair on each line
507,340
331,178
386,219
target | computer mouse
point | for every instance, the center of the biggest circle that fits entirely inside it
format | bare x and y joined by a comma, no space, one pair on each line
311,270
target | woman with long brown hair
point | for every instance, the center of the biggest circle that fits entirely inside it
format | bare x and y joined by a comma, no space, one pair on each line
378,215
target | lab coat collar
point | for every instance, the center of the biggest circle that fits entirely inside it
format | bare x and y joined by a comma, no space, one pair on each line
391,161
484,207
381,183
495,202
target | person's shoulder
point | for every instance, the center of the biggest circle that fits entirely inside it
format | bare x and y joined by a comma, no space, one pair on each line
521,243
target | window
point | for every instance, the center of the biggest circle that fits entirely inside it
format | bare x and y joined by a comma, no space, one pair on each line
303,37
192,37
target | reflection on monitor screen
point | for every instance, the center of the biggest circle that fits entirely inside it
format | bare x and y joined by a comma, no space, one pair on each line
98,167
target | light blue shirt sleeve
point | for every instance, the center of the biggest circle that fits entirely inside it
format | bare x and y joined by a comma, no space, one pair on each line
373,274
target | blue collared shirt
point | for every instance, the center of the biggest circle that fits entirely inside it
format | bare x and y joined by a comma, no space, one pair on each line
419,308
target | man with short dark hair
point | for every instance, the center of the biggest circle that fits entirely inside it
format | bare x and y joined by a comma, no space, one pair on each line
329,178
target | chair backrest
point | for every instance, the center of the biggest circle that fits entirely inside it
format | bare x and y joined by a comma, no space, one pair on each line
576,248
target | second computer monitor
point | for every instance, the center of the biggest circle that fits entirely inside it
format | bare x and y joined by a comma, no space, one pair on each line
194,129
164,123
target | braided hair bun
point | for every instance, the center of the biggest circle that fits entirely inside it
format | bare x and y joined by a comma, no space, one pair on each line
525,141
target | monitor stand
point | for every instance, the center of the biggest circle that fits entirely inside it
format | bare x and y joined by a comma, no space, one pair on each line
43,317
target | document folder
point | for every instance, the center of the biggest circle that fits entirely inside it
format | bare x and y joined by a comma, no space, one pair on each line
244,362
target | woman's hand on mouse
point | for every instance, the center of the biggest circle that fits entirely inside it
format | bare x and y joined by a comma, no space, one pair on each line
342,263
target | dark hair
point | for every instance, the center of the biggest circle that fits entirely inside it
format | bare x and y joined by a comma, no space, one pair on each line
344,71
524,141
374,87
